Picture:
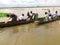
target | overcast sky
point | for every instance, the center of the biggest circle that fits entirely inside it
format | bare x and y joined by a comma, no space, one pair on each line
28,3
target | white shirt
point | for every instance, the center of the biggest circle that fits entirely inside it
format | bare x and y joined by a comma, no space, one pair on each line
30,14
49,13
50,18
56,14
21,17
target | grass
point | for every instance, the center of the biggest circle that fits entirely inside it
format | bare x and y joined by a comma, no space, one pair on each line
3,14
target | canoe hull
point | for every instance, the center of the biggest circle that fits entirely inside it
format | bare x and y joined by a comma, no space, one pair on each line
9,24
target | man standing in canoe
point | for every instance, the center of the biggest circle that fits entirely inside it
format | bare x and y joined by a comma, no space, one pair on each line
30,15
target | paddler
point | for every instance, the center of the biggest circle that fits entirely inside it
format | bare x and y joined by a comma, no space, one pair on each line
21,18
56,13
49,15
28,18
30,15
12,18
46,18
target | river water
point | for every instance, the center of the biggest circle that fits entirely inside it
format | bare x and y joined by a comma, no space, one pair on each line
31,34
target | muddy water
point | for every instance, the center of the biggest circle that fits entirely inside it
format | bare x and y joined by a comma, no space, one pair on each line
31,34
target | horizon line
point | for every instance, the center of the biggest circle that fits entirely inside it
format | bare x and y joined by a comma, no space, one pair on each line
30,7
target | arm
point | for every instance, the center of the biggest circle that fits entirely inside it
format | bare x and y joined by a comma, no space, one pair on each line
7,20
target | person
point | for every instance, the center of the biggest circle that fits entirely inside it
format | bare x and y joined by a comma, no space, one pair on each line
30,15
56,13
49,13
21,18
36,17
48,16
13,18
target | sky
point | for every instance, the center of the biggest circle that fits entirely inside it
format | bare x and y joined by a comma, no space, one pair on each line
28,3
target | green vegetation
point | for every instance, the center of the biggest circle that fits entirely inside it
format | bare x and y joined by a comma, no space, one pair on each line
3,14
36,17
45,20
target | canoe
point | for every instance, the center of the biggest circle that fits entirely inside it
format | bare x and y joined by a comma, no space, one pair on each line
40,21
9,24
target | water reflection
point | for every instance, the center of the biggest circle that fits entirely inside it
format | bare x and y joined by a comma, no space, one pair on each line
15,29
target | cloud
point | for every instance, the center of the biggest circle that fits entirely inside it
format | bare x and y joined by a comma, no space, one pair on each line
27,3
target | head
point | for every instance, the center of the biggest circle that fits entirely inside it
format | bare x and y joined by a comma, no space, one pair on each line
56,11
31,12
8,15
48,10
45,13
22,14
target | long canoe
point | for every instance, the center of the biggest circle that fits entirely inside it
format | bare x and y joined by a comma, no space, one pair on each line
40,21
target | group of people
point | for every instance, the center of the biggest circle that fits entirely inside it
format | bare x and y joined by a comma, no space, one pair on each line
50,16
14,17
30,16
